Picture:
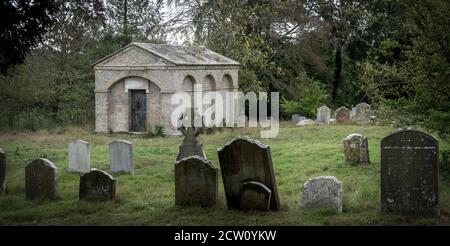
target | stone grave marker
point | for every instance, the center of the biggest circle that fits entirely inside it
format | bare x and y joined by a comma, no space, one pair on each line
342,115
323,192
191,145
362,114
295,118
97,185
2,172
79,156
356,149
41,179
121,156
196,182
243,160
323,115
353,113
255,196
409,173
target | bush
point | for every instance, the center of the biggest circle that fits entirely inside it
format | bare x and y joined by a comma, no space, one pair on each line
157,131
311,95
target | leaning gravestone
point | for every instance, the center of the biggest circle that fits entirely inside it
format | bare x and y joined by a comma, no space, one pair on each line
255,196
40,179
243,160
323,115
324,192
356,149
295,118
362,114
2,172
79,156
342,115
409,173
195,182
97,185
121,156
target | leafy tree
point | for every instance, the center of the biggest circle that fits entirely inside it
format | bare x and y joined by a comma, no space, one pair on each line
22,25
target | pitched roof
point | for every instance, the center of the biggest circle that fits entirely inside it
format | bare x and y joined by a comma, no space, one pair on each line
181,55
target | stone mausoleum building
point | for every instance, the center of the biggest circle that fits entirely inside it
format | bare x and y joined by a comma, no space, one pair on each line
134,85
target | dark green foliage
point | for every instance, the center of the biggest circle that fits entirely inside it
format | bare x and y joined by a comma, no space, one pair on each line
22,24
157,131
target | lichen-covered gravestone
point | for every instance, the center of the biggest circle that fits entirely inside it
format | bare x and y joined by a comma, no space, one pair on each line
243,160
356,149
324,192
409,173
41,179
190,146
121,157
323,115
342,115
362,114
97,185
2,172
195,182
79,156
255,196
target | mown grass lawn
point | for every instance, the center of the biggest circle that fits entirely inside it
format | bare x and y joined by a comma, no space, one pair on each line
147,197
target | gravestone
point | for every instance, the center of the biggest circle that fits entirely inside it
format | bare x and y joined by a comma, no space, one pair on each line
195,182
295,118
356,149
97,185
409,173
353,113
121,156
255,196
324,192
40,179
190,146
342,115
243,160
323,115
305,122
362,114
2,172
79,156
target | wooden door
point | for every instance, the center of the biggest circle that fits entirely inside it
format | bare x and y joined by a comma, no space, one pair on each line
138,110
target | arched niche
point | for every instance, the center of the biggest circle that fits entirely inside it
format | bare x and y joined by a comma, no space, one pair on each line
188,84
227,82
209,83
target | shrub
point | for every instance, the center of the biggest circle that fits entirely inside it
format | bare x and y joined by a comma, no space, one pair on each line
157,131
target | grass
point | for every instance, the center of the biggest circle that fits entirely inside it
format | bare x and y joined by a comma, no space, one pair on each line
147,198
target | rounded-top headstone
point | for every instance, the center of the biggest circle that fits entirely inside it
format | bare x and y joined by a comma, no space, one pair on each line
362,113
97,185
323,115
121,156
409,173
323,192
356,149
40,179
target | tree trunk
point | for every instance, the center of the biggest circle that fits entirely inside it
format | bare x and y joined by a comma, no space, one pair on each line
337,73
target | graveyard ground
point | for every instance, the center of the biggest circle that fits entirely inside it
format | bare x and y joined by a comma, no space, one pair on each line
147,197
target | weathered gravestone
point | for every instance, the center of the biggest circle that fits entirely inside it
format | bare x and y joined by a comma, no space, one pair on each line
356,149
41,179
2,172
409,173
121,156
324,192
79,156
342,115
362,114
295,118
323,115
190,146
97,185
353,113
243,160
195,182
255,196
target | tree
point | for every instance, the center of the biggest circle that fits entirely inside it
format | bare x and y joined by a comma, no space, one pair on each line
22,25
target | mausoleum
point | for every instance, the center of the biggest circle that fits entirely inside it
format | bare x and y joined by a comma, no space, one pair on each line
134,85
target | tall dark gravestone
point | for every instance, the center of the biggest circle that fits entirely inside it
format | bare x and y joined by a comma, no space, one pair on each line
2,172
409,173
243,160
40,179
195,182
